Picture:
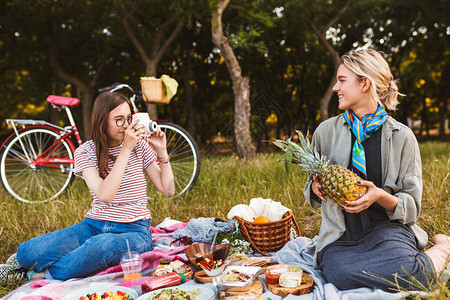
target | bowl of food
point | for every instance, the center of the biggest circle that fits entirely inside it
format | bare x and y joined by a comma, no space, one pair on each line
212,267
202,251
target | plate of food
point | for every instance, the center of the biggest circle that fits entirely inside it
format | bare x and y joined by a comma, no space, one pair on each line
237,278
102,292
191,291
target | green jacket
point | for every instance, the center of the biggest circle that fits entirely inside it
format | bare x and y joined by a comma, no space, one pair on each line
402,176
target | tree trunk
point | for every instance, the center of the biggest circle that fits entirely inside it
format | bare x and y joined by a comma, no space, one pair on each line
150,71
443,113
443,95
86,106
423,117
241,85
188,103
326,98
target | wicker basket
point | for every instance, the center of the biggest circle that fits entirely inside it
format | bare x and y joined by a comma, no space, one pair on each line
154,91
268,237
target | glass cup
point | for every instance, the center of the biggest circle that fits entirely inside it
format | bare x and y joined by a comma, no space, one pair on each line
131,265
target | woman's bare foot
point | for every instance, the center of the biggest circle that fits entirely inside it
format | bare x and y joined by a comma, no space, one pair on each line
441,239
440,252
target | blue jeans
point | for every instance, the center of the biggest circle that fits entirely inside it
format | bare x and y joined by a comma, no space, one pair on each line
83,249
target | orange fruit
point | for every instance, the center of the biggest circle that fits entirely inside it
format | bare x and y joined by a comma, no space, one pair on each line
261,219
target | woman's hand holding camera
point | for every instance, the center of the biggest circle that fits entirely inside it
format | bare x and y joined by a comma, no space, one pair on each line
136,131
158,141
133,133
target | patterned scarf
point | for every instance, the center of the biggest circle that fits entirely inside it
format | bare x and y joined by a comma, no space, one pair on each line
362,131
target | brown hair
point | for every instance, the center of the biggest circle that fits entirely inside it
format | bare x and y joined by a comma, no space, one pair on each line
103,105
371,64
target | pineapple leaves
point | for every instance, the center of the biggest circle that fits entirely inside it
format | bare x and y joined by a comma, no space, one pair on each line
288,160
280,144
302,154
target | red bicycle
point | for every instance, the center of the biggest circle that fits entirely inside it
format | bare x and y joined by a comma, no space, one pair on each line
36,160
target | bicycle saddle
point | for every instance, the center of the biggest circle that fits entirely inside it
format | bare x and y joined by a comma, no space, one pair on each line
64,101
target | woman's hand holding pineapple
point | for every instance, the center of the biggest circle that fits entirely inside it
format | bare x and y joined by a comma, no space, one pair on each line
374,194
317,188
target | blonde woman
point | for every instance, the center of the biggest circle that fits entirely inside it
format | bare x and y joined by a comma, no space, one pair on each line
113,165
376,236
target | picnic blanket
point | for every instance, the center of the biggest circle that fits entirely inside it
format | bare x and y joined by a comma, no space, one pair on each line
298,252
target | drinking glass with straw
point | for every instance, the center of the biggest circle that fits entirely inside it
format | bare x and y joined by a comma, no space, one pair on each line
131,263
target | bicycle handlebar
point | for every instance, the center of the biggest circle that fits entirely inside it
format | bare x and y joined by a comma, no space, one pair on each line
135,99
115,87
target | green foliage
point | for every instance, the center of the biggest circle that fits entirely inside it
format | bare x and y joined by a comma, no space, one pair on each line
245,38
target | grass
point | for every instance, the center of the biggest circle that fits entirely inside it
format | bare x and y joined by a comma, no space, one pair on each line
224,182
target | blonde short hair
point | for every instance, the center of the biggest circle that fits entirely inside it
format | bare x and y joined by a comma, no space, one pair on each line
371,65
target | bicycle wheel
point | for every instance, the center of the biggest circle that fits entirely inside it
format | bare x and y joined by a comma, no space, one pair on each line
34,171
184,158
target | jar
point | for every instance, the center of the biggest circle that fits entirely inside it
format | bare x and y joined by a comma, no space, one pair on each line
272,277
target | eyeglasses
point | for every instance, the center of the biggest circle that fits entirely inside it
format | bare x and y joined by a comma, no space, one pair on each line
121,121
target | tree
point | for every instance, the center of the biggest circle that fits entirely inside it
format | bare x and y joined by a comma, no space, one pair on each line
241,83
160,24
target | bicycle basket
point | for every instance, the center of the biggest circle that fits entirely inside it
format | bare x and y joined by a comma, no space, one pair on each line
154,91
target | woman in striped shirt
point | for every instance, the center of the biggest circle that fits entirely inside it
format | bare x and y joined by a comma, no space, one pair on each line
113,164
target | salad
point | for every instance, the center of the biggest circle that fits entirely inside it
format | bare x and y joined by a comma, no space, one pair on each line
176,294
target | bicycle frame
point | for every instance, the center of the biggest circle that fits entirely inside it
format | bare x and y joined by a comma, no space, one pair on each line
40,161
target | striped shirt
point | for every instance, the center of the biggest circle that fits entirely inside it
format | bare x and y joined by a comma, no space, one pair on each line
130,202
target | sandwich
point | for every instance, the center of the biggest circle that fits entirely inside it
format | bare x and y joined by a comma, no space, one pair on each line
291,279
179,266
163,269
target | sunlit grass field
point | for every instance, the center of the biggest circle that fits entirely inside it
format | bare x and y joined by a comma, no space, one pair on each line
224,182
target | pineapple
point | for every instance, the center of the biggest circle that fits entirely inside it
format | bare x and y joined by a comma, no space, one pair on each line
338,183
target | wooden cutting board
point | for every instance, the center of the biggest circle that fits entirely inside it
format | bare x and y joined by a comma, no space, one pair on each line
201,277
256,289
305,288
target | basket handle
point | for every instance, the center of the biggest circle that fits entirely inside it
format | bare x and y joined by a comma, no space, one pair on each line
296,225
250,240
